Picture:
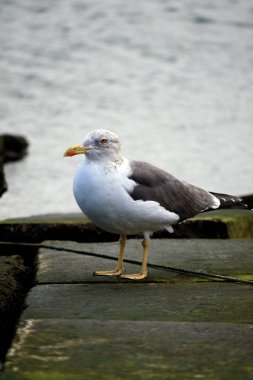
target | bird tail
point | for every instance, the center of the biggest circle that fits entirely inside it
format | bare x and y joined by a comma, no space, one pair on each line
230,201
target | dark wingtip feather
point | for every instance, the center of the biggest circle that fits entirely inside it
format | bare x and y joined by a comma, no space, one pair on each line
230,201
248,200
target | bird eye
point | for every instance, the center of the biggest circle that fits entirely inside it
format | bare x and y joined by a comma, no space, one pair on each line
103,141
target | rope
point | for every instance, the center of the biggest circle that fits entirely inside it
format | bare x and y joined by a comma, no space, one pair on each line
188,272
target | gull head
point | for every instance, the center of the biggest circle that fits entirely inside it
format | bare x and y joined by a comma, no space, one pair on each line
99,144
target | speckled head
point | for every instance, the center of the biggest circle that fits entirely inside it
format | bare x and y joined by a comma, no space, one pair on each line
98,144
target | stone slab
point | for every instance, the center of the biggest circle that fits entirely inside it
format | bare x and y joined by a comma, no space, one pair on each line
215,224
184,302
78,349
230,257
77,326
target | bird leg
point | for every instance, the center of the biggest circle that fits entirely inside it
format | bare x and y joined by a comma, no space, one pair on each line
143,272
120,269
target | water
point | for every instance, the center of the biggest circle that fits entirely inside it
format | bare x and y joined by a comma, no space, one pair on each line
173,78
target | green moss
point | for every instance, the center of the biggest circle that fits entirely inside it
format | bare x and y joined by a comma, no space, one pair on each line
239,222
16,278
52,375
10,270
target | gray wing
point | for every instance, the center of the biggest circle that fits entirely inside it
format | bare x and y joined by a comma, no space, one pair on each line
177,196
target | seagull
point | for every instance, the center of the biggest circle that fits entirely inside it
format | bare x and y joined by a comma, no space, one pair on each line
131,197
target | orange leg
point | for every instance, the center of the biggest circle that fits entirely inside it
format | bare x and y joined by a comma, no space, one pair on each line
120,269
143,272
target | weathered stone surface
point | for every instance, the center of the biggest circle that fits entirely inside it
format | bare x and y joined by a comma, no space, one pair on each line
170,327
180,302
239,222
220,224
78,349
231,257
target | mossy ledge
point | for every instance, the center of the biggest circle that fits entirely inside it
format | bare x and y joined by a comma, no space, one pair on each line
239,222
224,224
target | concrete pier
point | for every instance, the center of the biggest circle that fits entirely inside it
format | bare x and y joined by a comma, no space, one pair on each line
169,326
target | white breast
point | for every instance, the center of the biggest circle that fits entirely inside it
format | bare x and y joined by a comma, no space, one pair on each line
102,192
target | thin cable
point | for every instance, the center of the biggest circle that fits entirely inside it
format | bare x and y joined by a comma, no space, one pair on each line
157,266
188,272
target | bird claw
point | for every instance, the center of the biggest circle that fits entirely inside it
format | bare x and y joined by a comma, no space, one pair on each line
134,276
114,272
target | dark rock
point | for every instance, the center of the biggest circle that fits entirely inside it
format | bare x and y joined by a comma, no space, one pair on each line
12,148
3,184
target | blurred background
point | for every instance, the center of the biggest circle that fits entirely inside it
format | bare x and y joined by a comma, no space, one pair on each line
174,79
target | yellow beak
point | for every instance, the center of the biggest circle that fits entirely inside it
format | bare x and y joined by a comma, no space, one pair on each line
76,149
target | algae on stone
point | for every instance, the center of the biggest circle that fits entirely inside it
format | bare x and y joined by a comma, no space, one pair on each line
239,222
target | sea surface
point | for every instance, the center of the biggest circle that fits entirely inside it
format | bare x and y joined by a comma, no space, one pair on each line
174,79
